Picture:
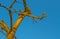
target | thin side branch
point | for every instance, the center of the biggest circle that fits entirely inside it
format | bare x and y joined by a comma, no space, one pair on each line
38,17
4,6
10,12
12,4
24,3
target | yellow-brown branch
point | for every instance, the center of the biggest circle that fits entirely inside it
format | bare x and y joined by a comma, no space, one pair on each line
4,26
11,35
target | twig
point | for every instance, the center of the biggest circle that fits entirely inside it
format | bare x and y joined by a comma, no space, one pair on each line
4,6
38,17
12,4
25,6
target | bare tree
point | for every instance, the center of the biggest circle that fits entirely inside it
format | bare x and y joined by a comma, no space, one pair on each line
13,28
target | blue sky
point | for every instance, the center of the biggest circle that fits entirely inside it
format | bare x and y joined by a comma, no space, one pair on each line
48,28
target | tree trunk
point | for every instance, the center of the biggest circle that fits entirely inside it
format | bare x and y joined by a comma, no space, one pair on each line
11,34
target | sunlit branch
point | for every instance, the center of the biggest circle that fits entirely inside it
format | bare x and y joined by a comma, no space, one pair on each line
15,27
27,12
4,26
17,23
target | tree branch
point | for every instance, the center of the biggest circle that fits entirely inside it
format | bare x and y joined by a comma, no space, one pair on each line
12,4
38,17
4,26
10,13
24,3
4,6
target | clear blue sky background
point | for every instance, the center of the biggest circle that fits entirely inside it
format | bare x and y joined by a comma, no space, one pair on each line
48,28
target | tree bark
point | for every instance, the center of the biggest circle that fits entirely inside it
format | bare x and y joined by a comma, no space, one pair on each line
11,34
